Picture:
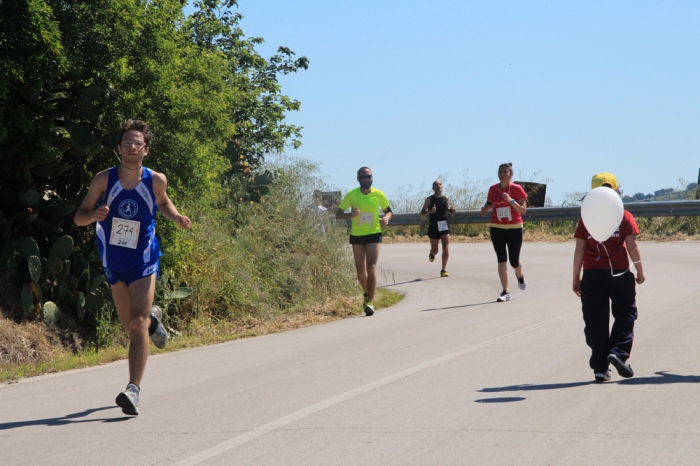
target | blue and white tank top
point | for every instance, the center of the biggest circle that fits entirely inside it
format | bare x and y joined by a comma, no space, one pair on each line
127,239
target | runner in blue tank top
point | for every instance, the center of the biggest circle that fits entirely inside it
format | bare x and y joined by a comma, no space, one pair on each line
127,198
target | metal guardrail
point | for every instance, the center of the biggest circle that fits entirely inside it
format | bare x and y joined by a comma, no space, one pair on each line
539,214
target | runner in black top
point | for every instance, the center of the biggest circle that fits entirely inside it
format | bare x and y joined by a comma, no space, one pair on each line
436,208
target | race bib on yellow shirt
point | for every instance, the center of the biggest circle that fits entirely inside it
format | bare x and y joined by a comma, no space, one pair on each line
125,233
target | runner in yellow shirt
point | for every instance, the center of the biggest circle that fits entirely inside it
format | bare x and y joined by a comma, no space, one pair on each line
366,231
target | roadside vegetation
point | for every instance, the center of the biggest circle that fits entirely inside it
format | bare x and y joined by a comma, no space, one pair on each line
256,260
255,269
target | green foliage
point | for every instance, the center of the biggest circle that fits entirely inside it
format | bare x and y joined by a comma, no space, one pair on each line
70,72
256,260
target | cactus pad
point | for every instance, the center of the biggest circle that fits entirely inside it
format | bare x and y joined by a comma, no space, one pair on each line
29,198
181,292
35,268
28,247
62,248
55,266
50,313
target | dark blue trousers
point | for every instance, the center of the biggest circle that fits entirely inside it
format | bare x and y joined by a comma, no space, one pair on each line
598,289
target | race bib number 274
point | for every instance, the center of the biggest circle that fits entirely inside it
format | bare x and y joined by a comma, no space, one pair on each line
125,233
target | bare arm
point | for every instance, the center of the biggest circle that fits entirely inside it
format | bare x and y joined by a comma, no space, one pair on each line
518,206
166,206
578,265
86,213
424,211
450,209
487,207
633,251
387,216
341,215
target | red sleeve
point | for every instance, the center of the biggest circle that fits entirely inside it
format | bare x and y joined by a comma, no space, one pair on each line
491,196
519,192
629,225
581,232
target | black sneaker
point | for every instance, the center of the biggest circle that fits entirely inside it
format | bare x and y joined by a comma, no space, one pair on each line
128,400
624,369
602,376
369,309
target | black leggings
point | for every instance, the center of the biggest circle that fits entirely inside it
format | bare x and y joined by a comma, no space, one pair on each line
511,237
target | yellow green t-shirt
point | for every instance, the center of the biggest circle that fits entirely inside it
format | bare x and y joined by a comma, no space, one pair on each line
367,222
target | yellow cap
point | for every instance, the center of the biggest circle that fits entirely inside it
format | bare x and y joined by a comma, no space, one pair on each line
604,178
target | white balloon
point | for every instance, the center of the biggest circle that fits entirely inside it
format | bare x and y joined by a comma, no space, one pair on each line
602,212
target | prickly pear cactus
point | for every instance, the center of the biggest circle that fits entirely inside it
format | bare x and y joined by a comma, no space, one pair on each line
35,268
61,249
50,313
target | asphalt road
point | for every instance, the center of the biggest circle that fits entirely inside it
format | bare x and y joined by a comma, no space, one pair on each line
446,377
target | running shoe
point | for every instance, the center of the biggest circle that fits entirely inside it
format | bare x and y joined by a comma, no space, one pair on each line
369,309
624,369
602,376
431,258
160,336
505,296
128,400
443,273
522,284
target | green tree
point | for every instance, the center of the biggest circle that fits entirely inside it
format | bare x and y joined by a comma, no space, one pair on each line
72,70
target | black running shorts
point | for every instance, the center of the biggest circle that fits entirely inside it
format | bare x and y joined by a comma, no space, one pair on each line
366,239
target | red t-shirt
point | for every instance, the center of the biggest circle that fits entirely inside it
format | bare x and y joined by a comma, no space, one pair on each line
595,255
504,215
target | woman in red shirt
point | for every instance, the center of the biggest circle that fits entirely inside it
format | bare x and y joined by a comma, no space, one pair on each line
607,278
506,202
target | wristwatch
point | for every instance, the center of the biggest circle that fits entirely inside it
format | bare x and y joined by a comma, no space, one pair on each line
512,202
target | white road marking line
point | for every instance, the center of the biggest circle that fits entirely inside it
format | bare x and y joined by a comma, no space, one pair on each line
302,413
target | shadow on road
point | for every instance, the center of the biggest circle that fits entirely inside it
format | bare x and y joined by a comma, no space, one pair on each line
500,400
65,420
409,281
663,377
530,387
457,307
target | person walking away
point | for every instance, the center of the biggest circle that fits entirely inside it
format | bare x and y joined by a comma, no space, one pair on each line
607,279
506,201
366,231
436,208
123,202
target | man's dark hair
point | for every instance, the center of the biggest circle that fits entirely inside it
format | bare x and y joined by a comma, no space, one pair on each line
136,125
363,168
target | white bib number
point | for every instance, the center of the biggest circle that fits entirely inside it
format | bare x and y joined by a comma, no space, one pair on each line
503,212
125,233
366,218
442,225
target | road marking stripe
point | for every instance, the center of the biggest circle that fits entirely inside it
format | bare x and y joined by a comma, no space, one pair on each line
302,413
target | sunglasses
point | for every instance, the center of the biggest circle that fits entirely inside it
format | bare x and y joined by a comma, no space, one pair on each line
365,177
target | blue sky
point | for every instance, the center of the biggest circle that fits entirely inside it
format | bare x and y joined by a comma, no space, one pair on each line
414,89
